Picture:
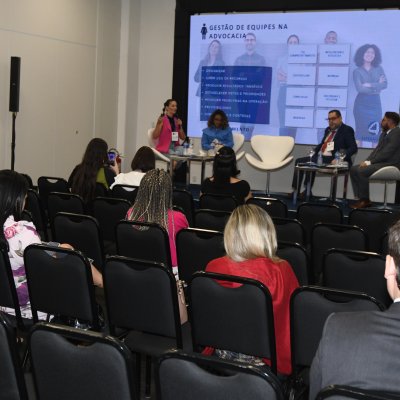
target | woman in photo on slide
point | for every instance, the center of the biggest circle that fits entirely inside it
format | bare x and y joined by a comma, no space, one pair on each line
369,80
168,129
213,58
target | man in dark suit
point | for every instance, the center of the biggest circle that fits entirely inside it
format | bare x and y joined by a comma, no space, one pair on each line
387,152
362,349
337,136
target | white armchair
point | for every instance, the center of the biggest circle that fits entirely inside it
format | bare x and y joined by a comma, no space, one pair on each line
238,141
152,144
385,174
274,152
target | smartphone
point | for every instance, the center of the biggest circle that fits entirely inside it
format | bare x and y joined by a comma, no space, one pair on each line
111,157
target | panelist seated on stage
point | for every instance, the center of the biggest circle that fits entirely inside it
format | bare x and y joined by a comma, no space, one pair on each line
338,136
386,153
218,130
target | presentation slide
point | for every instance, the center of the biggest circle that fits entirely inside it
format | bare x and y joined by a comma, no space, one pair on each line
280,73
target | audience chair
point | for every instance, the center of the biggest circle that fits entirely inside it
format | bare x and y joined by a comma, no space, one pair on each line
221,316
196,248
351,392
12,382
375,223
217,202
8,293
153,144
127,192
384,244
297,257
82,232
386,174
60,283
211,219
238,142
64,202
143,241
141,298
70,363
101,190
273,152
329,236
48,184
310,214
310,306
289,230
39,218
184,199
358,271
193,376
108,212
274,207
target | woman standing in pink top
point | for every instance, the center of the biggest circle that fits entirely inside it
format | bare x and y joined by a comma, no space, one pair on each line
168,129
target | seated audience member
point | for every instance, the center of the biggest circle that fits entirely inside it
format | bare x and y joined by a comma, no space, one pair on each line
337,136
19,234
93,169
250,244
218,131
362,349
387,152
154,204
224,179
143,162
168,129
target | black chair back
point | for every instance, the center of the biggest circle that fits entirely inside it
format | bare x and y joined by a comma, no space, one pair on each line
221,316
143,241
310,214
289,230
375,223
297,257
127,192
211,219
60,283
218,202
48,184
356,270
351,392
12,383
184,200
82,232
70,363
329,236
178,374
34,206
310,306
141,296
8,292
196,248
274,207
108,211
64,202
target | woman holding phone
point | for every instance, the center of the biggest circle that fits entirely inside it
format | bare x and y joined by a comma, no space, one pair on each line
94,168
168,130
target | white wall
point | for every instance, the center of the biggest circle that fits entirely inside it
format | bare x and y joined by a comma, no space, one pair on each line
69,50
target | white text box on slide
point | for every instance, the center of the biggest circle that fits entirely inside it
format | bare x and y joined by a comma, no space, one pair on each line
299,117
300,96
301,75
331,97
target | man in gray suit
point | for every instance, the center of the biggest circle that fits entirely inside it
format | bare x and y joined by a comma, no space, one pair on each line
387,152
362,349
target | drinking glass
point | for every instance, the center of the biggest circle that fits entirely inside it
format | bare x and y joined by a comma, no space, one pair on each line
342,156
311,153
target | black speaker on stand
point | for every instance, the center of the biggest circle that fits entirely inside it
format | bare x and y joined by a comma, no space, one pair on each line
14,100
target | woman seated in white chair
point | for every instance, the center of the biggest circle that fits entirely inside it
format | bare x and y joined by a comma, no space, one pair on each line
218,131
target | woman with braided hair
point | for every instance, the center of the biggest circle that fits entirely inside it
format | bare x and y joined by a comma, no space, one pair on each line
154,204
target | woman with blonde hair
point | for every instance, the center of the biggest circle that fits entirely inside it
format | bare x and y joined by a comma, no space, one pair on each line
250,245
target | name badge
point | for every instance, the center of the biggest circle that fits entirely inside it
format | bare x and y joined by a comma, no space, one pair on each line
330,146
175,136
